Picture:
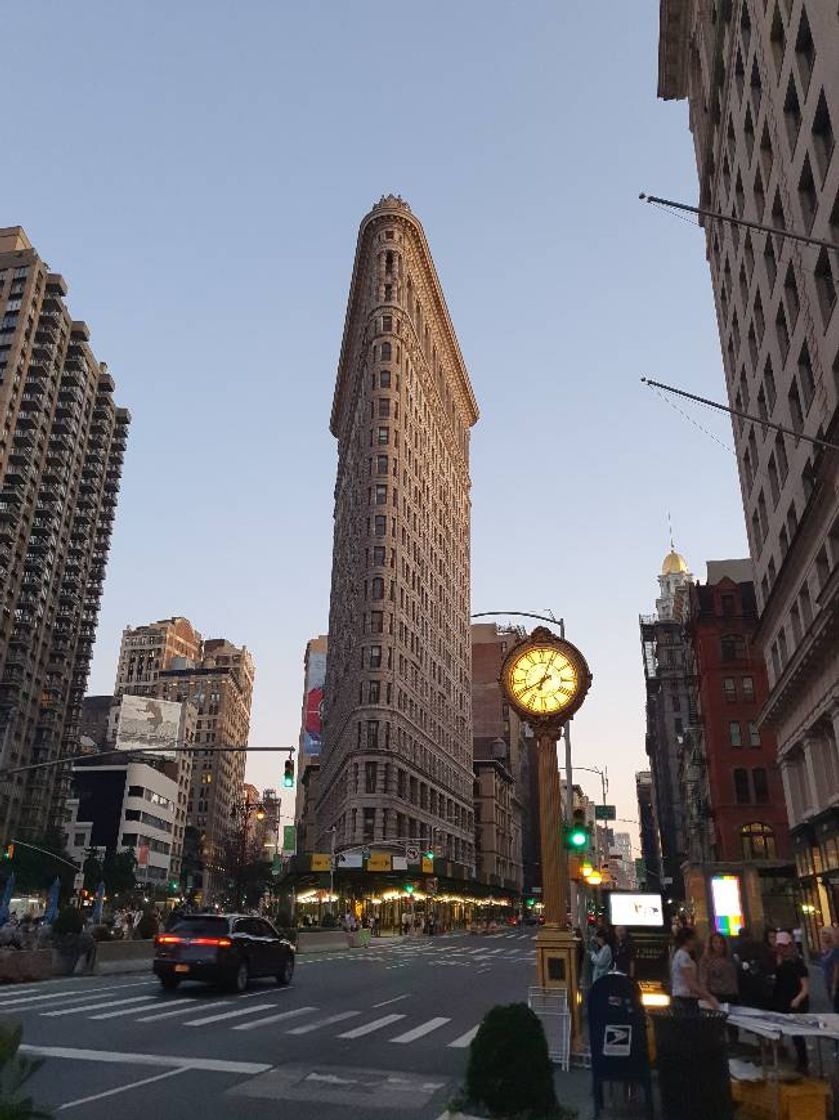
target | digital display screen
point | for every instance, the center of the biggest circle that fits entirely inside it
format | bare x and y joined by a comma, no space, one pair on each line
632,908
727,903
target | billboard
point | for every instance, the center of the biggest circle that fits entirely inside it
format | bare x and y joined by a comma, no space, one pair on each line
312,731
634,908
727,902
147,724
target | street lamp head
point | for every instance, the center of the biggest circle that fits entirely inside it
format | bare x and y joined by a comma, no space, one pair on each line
260,814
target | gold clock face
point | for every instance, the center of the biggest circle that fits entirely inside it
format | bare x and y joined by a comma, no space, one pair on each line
546,679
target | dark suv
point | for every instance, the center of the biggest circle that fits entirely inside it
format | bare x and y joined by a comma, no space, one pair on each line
223,949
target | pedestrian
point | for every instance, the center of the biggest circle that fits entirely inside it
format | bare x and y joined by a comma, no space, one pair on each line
829,964
791,994
717,970
624,952
601,954
405,921
686,989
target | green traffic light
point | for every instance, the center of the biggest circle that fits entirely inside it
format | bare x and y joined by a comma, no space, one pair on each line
578,838
409,888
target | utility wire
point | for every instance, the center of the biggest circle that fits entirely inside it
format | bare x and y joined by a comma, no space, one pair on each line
695,423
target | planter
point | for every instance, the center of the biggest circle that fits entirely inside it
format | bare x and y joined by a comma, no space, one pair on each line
24,964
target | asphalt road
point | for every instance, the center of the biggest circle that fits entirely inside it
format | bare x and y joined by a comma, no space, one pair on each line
380,1032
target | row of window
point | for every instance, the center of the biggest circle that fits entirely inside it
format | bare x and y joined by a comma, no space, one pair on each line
735,733
735,688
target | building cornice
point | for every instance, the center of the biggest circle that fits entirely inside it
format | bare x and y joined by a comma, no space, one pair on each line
388,209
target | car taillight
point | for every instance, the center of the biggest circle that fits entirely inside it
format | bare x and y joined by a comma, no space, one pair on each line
224,943
221,942
167,939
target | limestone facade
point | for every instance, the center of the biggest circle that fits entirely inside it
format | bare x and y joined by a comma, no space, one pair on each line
396,762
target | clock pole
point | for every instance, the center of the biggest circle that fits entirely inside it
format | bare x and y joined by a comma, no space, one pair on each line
529,690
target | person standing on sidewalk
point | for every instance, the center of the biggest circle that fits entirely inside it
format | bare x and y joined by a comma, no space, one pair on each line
624,952
686,988
791,994
601,955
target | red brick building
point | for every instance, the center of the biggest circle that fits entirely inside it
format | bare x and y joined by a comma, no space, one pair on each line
734,798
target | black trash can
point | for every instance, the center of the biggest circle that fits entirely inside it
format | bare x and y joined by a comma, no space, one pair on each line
692,1062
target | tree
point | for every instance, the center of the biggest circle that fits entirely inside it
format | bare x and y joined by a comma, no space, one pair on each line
92,869
34,866
118,871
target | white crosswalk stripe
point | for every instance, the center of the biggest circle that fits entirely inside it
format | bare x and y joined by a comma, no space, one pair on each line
464,1040
264,1022
189,1006
71,994
230,1015
369,1028
339,1018
93,1007
129,1010
422,1030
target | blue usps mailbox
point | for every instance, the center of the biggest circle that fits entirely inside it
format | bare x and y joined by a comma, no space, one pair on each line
618,1037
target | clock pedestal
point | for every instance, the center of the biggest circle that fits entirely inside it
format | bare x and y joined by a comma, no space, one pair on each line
556,951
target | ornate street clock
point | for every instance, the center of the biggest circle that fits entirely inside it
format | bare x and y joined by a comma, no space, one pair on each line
545,677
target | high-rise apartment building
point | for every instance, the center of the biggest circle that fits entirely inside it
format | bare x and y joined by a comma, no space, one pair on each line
762,84
147,650
670,709
396,760
218,680
62,442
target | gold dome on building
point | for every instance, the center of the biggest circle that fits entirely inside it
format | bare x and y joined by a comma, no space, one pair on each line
674,564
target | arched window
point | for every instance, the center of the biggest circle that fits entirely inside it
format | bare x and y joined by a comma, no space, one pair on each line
758,841
386,351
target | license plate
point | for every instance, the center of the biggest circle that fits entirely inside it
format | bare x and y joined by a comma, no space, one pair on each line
181,968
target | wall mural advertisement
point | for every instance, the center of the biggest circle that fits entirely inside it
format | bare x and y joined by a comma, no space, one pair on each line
149,724
310,739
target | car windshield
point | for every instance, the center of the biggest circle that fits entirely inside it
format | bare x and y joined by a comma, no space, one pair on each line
201,927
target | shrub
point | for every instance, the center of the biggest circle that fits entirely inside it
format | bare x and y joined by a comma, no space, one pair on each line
328,921
69,920
15,1071
509,1070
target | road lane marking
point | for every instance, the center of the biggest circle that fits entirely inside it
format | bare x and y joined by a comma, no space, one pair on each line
368,1028
230,1014
422,1030
128,1010
273,1018
124,1088
339,1018
395,999
93,1007
188,1007
212,1065
464,1040
85,993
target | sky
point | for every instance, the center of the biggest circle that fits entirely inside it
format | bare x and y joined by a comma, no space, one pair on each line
197,172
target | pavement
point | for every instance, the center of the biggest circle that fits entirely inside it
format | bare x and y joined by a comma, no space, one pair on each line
379,1032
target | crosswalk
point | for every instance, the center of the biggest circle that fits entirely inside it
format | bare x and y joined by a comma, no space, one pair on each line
267,1008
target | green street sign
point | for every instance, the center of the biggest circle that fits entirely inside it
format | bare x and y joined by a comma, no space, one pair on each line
605,812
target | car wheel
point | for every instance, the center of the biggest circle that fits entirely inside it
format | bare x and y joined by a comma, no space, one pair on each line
286,973
239,979
169,983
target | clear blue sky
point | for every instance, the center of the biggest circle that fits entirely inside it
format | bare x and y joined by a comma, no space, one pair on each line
198,170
